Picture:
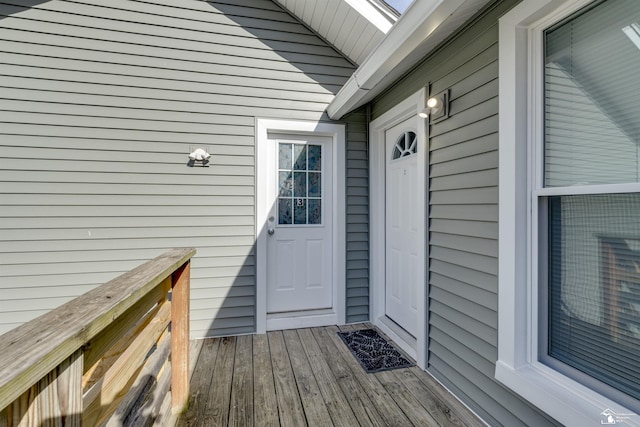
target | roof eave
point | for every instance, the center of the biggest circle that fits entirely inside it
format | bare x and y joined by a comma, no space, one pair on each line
422,27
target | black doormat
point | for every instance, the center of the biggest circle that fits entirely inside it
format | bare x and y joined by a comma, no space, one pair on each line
373,352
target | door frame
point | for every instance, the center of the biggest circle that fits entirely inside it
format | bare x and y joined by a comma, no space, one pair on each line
335,131
404,110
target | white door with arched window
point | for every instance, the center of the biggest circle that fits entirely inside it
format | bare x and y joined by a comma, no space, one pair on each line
398,221
402,238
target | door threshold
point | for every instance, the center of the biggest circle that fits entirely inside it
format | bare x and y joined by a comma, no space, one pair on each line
301,319
398,335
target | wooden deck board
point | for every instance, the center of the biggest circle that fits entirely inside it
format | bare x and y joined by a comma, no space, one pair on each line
387,407
200,383
359,401
337,403
264,390
314,406
308,377
217,411
241,406
289,402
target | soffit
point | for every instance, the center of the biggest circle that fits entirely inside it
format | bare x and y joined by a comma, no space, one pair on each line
354,27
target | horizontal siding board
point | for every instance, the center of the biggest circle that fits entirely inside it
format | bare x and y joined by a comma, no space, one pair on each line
187,69
121,49
485,97
485,56
484,264
63,234
158,243
473,196
197,179
472,79
479,162
176,15
23,62
244,302
486,247
469,116
118,167
51,269
85,82
482,178
469,148
480,314
190,96
230,146
109,222
488,229
480,330
484,349
37,199
472,278
449,342
487,126
112,30
236,291
486,212
186,212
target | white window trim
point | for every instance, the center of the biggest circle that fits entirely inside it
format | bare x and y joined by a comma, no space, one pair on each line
518,367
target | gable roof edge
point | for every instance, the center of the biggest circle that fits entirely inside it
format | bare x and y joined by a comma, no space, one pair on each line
423,26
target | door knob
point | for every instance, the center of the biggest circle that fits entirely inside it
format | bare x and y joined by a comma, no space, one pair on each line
271,231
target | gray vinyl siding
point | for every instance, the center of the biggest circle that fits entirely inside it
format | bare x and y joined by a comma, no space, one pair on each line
101,104
357,196
463,218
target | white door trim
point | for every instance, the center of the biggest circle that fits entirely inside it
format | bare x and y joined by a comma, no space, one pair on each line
337,134
410,107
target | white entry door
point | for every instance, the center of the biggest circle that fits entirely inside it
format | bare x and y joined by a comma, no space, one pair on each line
299,224
402,238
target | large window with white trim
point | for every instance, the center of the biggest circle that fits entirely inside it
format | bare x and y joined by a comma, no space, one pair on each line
589,217
569,213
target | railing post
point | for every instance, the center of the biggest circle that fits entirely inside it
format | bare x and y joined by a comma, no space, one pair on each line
180,295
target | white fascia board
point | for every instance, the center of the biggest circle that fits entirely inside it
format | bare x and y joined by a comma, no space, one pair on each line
420,29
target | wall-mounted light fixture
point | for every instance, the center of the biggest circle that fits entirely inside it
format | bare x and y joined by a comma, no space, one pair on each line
198,155
437,107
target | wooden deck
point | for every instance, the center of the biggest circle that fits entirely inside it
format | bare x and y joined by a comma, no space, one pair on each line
309,377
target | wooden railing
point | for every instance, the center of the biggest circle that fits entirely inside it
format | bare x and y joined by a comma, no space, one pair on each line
108,357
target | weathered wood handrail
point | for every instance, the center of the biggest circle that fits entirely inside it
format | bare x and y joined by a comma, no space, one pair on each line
77,362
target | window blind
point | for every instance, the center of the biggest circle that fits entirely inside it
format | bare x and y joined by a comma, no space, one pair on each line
592,98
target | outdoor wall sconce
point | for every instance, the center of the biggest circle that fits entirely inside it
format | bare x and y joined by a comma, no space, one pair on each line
199,155
437,107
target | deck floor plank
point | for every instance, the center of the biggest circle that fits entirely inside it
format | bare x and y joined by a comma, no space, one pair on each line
449,403
217,412
314,406
337,403
308,377
359,401
264,390
201,383
411,407
241,405
289,402
387,407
